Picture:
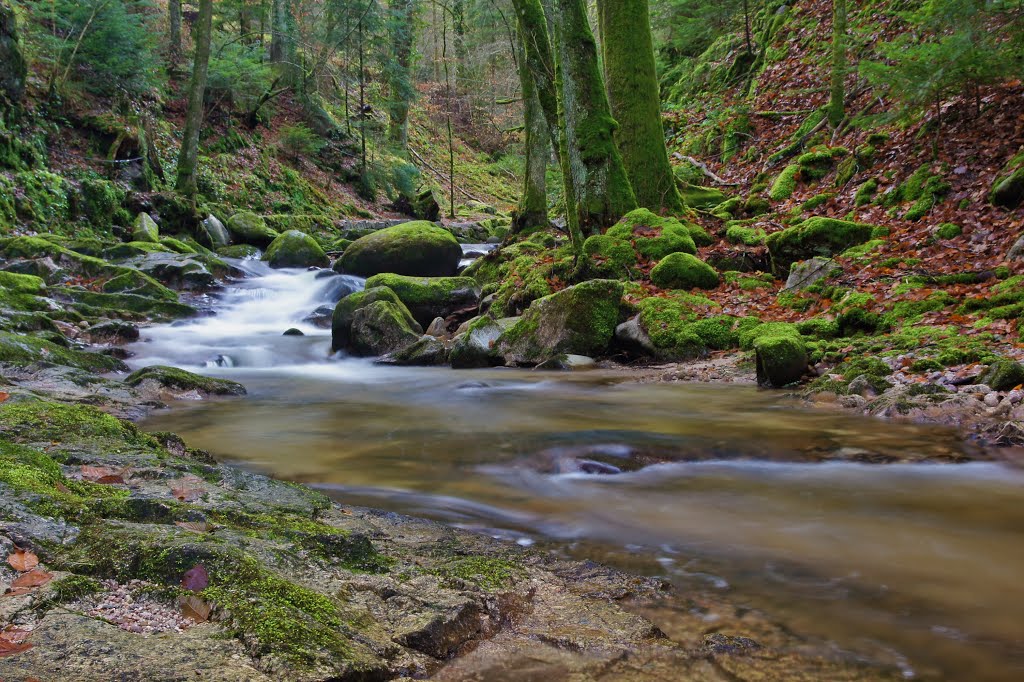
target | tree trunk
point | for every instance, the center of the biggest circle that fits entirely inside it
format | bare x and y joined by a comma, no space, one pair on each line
187,158
533,204
636,102
174,17
13,69
837,106
278,30
602,193
400,72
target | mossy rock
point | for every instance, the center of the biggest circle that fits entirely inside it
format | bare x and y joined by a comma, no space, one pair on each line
239,251
785,183
380,328
344,313
295,249
683,271
133,249
430,297
22,284
21,349
145,229
1008,191
579,320
818,236
681,326
695,196
181,380
749,336
639,235
249,228
1003,375
135,282
212,233
118,303
781,360
417,248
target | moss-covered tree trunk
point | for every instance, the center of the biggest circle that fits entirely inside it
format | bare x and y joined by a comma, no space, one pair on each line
174,33
836,105
538,58
279,31
12,62
400,72
188,156
636,102
602,193
533,204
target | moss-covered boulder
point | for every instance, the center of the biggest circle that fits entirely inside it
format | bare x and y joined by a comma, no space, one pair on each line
21,349
248,228
680,326
145,229
182,381
418,248
580,320
816,236
380,328
781,360
426,352
430,297
475,347
239,251
639,236
1003,375
1008,191
295,249
695,196
213,234
344,314
683,271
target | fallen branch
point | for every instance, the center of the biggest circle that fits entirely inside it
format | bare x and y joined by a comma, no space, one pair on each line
704,169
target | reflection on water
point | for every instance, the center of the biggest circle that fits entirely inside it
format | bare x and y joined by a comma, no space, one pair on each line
722,490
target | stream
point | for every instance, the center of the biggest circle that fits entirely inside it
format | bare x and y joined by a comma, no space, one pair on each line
852,529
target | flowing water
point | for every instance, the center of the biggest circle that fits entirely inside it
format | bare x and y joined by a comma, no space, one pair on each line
857,530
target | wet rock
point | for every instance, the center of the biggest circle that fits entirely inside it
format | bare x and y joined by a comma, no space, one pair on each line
380,328
474,347
295,249
180,271
781,360
321,317
249,228
419,249
568,362
579,320
631,336
213,233
428,351
430,297
145,229
344,316
1003,374
437,328
293,332
113,331
181,381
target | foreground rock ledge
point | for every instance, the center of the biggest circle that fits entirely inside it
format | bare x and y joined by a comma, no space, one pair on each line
300,588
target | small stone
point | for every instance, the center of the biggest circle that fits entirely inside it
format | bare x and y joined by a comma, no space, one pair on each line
293,332
992,399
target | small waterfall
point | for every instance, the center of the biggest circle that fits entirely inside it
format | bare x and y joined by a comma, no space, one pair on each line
249,321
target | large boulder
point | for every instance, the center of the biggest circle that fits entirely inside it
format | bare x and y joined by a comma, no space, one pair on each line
639,236
248,228
145,229
426,352
809,272
180,380
816,236
180,271
295,249
1003,375
418,248
430,297
580,320
344,314
683,271
213,234
781,360
1008,190
380,328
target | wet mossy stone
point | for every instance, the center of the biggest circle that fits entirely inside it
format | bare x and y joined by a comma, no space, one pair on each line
426,352
99,302
344,314
683,271
1003,375
239,251
695,196
181,380
13,283
295,249
213,234
249,228
134,250
639,235
1008,192
21,349
816,236
417,248
145,229
131,281
475,347
430,297
749,336
579,320
781,360
380,328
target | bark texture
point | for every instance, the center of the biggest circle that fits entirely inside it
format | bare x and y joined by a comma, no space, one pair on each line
187,158
400,76
836,105
12,62
635,100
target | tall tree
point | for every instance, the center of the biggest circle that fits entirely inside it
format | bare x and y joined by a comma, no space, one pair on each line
533,204
837,104
602,193
12,63
279,30
402,33
187,158
635,101
174,19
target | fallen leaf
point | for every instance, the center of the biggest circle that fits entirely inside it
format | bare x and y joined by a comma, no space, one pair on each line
14,635
196,579
104,475
34,578
4,396
23,560
186,494
195,526
195,608
9,648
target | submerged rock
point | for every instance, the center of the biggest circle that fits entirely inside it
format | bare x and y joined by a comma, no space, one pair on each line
418,248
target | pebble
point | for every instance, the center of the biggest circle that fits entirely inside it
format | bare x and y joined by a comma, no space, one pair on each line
128,607
992,399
